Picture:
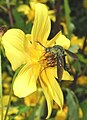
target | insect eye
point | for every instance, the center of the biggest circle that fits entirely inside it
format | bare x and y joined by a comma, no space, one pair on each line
47,49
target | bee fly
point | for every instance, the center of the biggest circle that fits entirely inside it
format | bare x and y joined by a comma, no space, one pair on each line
56,57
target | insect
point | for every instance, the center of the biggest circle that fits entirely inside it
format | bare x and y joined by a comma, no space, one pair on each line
56,57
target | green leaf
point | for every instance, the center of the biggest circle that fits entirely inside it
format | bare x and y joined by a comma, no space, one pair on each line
70,26
74,48
51,119
81,90
32,115
77,66
28,27
23,109
19,23
73,106
40,111
82,58
84,109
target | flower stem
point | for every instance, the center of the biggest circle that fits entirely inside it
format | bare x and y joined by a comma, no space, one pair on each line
9,13
3,8
9,102
10,94
1,88
68,19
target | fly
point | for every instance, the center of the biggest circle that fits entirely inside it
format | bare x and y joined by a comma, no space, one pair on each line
56,57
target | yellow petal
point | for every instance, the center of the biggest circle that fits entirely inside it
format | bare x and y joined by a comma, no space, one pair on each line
24,8
13,42
63,24
28,10
41,1
82,80
48,97
77,41
62,114
67,76
32,53
63,41
42,26
53,40
52,86
57,92
52,15
33,99
25,82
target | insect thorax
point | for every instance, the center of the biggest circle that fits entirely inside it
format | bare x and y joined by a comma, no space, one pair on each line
56,49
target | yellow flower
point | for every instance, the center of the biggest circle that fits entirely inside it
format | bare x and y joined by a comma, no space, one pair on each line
12,111
85,50
33,99
40,1
29,11
82,80
23,48
62,114
77,41
85,4
64,28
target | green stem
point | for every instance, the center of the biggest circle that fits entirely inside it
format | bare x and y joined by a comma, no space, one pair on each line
67,14
9,102
3,8
10,94
1,88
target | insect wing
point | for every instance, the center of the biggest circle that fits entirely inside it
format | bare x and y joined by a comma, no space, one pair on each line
74,56
60,67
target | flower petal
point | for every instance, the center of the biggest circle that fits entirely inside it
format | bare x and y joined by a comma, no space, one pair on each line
41,1
25,82
32,53
63,41
57,92
42,25
24,8
13,42
53,40
52,86
48,97
67,76
28,10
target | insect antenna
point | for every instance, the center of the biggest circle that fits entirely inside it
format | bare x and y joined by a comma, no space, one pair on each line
41,44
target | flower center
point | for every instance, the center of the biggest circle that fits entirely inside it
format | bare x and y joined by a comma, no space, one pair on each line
49,59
